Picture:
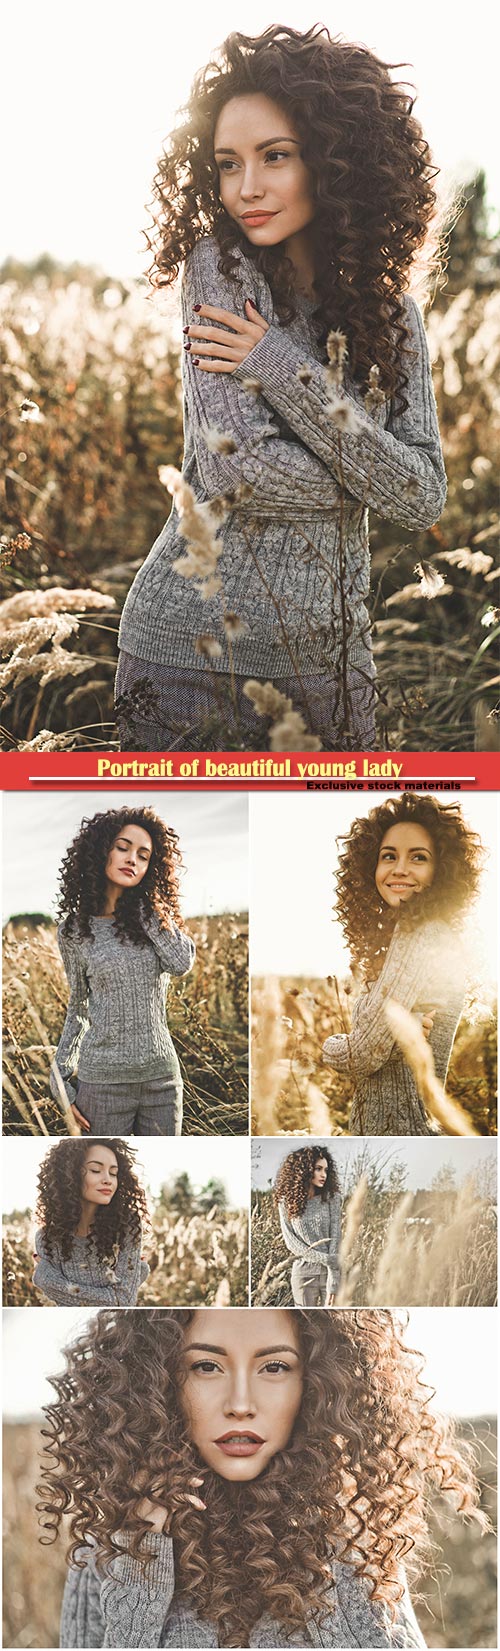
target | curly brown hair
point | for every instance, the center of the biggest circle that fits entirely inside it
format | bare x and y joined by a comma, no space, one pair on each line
351,1481
367,922
371,175
59,1205
295,1174
82,876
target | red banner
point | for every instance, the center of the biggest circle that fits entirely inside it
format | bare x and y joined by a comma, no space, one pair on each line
251,771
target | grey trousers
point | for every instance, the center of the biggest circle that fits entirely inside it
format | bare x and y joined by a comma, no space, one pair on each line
132,1108
308,1284
165,708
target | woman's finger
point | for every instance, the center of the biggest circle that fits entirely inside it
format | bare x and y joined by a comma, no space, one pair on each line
227,316
83,1122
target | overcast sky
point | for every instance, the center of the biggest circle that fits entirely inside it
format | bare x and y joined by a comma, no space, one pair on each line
293,858
459,1345
212,828
203,1158
423,1158
91,91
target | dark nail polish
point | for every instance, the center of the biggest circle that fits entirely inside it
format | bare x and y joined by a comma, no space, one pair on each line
185,329
250,301
196,307
187,343
195,361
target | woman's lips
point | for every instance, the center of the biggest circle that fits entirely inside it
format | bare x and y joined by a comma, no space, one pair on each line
239,1444
257,217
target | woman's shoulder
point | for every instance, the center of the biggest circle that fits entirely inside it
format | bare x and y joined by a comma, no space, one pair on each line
206,255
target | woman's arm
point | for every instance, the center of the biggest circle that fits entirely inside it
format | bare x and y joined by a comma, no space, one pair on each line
298,1246
405,976
367,1623
261,457
174,948
398,471
50,1278
77,1016
125,1607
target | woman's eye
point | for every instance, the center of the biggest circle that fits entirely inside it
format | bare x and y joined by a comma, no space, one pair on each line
278,155
206,1366
276,1366
225,166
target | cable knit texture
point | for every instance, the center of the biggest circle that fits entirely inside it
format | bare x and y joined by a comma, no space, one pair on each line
85,1281
281,551
423,970
315,1236
127,1608
116,1027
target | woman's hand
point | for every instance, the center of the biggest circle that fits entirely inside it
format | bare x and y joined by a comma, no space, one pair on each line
79,1118
428,1022
214,351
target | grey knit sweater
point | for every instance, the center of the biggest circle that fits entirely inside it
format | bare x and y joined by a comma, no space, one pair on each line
422,970
84,1280
125,1608
115,1029
315,1235
281,549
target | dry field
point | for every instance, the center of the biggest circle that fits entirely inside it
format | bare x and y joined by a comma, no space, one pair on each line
207,1014
293,1093
91,381
455,1601
389,1258
195,1260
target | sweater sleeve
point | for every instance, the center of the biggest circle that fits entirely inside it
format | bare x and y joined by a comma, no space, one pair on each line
273,466
50,1278
369,1623
404,976
125,1607
398,470
77,1015
174,948
297,1245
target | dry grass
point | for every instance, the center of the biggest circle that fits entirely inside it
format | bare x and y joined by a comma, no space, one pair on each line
192,1258
390,1256
293,1093
207,1013
455,1601
82,490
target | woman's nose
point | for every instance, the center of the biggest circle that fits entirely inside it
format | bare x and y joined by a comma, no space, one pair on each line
239,1400
251,189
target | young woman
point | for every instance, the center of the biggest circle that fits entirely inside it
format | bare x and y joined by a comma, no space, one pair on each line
297,193
121,937
307,1193
407,874
88,1245
251,1478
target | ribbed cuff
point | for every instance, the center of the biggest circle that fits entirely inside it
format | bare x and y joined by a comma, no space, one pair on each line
157,1577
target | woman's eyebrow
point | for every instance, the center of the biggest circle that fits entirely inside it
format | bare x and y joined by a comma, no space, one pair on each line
258,146
207,1347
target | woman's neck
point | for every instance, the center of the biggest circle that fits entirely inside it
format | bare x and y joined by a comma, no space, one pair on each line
86,1221
111,899
300,252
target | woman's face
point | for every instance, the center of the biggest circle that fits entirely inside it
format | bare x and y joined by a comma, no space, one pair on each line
320,1172
263,182
406,863
129,857
243,1388
99,1176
